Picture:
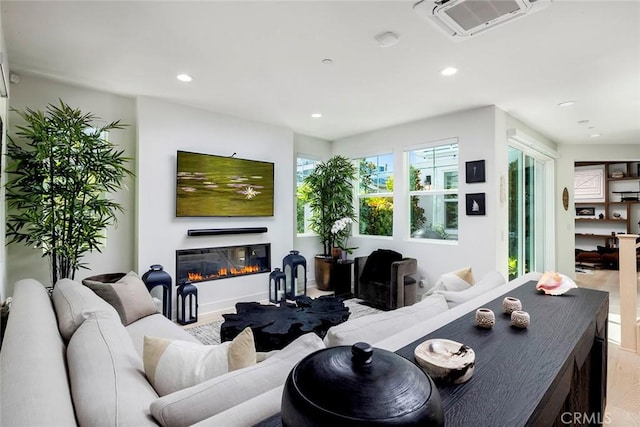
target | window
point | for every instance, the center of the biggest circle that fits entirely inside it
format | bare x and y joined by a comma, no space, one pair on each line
375,195
304,167
433,192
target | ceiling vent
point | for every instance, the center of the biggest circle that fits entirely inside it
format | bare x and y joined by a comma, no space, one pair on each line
465,18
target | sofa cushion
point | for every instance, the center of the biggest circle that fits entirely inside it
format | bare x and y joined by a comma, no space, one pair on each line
107,380
490,281
194,404
458,280
156,325
74,303
376,327
33,373
249,412
129,296
171,365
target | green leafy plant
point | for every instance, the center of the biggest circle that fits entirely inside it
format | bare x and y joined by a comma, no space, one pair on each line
329,191
60,173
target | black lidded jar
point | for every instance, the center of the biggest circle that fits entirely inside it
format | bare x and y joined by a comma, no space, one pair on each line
359,386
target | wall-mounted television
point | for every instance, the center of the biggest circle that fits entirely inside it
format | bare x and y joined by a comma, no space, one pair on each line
209,185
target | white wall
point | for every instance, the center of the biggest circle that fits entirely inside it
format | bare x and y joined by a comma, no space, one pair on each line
164,128
37,93
569,154
477,245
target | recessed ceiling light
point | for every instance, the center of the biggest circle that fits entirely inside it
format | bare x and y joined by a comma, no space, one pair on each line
594,135
316,115
449,71
184,77
566,103
327,61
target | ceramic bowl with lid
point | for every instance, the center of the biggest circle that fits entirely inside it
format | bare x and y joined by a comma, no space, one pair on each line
359,386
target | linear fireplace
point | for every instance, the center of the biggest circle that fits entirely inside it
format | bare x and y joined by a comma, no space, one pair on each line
203,264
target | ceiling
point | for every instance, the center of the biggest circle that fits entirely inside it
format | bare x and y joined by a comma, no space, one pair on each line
262,61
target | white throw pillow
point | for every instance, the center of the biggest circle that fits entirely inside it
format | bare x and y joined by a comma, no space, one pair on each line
454,281
172,365
490,281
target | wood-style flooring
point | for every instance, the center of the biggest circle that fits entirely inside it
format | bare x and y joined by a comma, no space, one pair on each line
623,378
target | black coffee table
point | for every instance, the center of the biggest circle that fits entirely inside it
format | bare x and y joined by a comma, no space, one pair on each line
274,327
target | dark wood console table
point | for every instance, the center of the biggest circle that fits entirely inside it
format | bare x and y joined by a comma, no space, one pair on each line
534,376
531,377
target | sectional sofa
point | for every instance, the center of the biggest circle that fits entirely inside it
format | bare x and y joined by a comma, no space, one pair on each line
69,360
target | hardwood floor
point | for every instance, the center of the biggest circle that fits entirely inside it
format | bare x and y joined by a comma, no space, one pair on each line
623,378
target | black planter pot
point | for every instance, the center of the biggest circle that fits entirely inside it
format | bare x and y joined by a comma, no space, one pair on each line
359,386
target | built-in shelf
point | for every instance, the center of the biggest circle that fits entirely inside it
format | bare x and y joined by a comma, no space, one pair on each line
610,193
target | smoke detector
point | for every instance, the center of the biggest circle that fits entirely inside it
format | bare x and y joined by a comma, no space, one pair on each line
466,18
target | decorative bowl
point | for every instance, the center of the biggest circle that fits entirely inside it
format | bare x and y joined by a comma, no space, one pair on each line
359,386
446,360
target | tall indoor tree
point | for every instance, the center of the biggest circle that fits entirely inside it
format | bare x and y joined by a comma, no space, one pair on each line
61,171
329,192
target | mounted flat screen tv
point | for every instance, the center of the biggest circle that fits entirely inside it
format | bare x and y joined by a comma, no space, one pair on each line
208,185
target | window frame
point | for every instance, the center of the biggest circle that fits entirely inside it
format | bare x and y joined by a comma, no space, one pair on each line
315,160
358,197
454,234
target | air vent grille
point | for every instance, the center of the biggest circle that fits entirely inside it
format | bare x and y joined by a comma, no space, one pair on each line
465,18
474,13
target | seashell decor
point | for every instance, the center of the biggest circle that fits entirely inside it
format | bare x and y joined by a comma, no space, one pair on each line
555,283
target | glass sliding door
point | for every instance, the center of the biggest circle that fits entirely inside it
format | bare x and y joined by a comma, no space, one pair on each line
527,213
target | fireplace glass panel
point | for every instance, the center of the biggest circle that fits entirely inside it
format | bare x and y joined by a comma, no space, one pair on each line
203,264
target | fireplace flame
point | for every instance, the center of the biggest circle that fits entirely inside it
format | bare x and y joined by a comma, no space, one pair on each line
223,272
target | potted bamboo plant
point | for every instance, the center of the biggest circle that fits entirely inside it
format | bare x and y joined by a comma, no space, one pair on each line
329,192
61,172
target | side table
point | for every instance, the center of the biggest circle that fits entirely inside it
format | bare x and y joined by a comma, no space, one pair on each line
341,278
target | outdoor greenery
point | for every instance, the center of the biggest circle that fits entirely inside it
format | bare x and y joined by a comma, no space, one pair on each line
329,192
376,213
61,171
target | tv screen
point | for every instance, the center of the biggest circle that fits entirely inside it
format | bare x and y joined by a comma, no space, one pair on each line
209,185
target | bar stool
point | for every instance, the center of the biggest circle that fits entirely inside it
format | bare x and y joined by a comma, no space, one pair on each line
187,291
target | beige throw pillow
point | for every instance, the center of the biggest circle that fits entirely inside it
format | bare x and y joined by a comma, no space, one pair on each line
129,296
454,281
172,365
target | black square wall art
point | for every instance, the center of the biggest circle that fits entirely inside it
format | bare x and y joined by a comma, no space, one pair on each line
475,171
476,204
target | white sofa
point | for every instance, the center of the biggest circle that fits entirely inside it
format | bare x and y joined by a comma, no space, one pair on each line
68,360
96,377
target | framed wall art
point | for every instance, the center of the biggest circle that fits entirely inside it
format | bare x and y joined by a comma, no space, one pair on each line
475,171
475,204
